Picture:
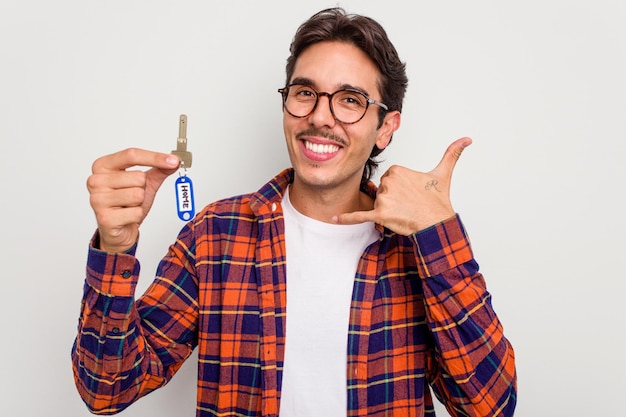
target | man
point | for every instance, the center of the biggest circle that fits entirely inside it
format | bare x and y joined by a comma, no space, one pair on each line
318,295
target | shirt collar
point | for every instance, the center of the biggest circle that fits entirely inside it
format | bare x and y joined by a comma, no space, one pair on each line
272,193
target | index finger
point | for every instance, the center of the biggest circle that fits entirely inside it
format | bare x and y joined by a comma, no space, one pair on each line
131,157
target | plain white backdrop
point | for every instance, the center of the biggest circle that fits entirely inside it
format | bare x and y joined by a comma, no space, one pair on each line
538,85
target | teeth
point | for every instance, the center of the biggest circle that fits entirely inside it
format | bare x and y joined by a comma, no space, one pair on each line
317,148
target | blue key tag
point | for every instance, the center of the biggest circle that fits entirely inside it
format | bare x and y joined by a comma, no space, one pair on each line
184,197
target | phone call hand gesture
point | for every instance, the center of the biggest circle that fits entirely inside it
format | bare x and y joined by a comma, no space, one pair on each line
121,198
408,201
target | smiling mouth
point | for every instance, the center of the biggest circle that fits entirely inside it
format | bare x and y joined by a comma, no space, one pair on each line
320,148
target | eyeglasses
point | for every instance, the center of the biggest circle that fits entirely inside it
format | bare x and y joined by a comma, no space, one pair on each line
347,105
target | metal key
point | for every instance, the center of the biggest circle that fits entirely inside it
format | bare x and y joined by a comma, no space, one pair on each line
181,144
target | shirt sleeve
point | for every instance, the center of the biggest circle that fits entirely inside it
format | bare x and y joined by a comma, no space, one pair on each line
124,348
472,369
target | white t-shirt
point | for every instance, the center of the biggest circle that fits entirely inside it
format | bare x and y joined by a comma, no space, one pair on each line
321,264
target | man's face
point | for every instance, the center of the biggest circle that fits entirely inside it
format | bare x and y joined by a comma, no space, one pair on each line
327,154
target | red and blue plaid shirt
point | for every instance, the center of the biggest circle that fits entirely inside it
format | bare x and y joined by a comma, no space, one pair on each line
420,318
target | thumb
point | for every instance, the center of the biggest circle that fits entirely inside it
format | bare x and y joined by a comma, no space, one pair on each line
452,155
355,217
158,173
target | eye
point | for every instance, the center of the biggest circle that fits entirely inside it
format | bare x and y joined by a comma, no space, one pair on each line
351,98
302,92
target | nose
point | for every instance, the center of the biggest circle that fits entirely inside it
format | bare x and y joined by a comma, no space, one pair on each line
322,114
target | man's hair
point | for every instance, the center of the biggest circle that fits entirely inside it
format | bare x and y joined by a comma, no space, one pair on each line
369,36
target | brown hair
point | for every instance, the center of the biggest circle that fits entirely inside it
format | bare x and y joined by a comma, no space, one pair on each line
368,35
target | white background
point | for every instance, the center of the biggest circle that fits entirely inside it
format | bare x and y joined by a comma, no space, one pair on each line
538,85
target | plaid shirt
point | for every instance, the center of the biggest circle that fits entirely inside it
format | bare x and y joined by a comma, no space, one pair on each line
420,316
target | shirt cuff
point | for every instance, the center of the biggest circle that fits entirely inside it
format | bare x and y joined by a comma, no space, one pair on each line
442,247
113,274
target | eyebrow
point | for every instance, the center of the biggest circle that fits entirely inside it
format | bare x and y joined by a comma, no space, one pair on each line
309,82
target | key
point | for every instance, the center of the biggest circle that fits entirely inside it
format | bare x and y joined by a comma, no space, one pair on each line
181,144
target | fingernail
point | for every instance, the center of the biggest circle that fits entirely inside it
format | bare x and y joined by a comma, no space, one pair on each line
172,160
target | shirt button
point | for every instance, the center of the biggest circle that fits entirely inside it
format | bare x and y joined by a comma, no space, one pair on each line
273,206
115,330
126,274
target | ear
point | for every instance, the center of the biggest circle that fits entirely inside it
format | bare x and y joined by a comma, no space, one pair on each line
391,123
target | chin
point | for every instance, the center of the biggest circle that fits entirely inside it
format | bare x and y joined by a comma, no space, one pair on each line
320,178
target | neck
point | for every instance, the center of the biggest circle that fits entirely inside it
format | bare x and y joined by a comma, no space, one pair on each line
323,204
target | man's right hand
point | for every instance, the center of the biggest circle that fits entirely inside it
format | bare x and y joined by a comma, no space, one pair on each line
121,199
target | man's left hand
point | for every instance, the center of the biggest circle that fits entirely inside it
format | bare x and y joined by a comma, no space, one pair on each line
410,201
